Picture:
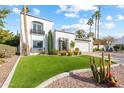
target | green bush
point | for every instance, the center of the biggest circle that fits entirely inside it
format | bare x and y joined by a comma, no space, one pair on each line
96,49
42,52
80,53
55,52
63,53
76,51
70,52
7,51
118,47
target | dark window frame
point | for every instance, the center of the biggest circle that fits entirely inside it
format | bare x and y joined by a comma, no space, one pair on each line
38,41
37,28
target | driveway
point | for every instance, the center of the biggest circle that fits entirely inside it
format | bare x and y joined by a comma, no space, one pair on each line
116,56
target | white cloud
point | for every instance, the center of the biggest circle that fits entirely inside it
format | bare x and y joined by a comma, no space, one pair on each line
62,9
72,15
75,27
120,17
36,11
16,10
73,10
82,25
83,21
109,18
110,25
120,6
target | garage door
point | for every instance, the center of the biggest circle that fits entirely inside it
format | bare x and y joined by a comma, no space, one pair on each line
82,45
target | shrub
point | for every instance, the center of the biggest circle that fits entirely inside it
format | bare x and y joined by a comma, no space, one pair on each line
70,52
55,52
96,49
118,47
63,53
7,51
76,51
42,52
80,53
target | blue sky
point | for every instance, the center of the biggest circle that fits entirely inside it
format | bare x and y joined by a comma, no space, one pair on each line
71,17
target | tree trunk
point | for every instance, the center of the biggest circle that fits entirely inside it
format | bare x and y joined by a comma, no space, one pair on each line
25,29
98,31
95,28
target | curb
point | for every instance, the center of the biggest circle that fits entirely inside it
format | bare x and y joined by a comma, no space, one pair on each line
54,78
6,83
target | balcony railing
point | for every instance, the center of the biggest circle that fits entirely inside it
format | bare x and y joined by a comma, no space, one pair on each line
41,32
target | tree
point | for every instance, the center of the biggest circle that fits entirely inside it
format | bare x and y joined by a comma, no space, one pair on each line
72,44
90,34
5,35
97,16
3,14
80,34
108,40
90,23
50,42
25,10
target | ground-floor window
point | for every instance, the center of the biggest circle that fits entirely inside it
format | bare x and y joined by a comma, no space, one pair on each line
37,44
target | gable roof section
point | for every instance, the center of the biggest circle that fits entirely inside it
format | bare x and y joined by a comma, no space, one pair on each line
64,32
37,17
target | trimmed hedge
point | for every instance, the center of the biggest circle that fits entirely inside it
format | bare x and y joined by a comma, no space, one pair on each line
7,51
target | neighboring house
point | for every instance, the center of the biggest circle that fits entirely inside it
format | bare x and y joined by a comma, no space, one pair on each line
38,29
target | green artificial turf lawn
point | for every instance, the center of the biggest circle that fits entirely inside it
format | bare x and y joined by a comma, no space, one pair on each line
33,70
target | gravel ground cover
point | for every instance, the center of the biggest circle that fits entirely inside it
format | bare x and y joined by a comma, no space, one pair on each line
85,80
5,68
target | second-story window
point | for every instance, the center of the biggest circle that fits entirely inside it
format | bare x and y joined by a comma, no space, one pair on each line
37,27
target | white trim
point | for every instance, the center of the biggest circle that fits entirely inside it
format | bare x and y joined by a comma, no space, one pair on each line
7,82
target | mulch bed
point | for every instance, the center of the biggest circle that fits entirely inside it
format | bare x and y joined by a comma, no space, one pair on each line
5,68
85,80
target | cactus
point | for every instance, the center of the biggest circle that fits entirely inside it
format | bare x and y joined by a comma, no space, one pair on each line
104,74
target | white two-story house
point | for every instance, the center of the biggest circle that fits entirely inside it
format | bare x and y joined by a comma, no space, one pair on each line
37,33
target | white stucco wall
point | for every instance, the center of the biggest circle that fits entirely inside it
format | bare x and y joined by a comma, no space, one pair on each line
59,34
83,45
47,25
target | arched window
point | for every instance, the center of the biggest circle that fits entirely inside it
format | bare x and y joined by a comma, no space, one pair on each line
37,27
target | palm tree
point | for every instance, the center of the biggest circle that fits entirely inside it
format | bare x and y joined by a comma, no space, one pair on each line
80,34
90,23
97,19
25,11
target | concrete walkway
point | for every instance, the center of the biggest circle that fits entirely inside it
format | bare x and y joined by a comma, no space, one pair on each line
117,57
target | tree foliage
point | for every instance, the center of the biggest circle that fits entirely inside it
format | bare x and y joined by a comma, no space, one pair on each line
80,34
50,42
7,37
90,34
72,44
3,14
